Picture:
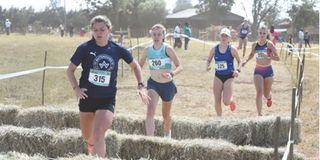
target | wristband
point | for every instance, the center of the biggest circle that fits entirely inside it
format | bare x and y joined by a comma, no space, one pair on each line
140,85
171,74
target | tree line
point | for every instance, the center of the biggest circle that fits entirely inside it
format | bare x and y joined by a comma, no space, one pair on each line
140,15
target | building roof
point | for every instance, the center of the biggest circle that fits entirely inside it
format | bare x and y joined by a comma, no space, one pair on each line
184,13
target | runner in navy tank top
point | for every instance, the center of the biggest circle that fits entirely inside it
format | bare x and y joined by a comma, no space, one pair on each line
97,88
244,30
265,52
223,55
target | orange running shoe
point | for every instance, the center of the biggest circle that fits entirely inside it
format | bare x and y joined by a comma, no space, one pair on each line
232,105
90,149
269,102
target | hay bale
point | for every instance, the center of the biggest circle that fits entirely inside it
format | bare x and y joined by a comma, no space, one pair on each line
254,153
205,149
67,142
186,128
262,131
48,117
113,144
29,141
129,124
135,147
8,114
234,131
21,156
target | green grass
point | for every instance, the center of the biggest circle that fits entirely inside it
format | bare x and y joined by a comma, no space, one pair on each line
194,98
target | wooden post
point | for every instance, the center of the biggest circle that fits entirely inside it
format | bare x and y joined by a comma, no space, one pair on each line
276,139
281,50
298,64
138,48
293,108
43,77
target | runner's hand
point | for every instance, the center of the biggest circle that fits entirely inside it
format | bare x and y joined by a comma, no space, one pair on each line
80,92
144,97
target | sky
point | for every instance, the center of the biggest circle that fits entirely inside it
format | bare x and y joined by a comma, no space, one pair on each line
39,5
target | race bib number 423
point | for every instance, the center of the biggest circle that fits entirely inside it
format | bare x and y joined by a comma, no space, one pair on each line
99,78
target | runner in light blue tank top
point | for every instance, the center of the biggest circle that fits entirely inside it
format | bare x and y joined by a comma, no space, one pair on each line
160,57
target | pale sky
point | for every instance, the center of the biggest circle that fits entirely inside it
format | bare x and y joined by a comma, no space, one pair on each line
39,5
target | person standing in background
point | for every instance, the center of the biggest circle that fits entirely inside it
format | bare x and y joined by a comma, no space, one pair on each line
273,35
300,39
61,28
187,32
8,26
307,39
176,36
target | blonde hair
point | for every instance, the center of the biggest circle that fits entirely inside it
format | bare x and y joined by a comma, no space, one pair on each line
101,18
159,26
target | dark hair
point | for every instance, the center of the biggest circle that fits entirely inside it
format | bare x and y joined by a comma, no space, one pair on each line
271,29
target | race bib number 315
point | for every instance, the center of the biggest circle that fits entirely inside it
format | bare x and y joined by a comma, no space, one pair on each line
99,78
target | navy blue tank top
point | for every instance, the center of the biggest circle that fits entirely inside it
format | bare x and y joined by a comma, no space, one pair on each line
223,61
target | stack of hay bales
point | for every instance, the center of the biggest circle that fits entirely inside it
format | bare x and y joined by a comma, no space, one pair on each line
253,131
68,142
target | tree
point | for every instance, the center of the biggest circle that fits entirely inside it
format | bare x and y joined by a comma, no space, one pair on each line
272,18
182,5
260,10
215,7
152,12
304,15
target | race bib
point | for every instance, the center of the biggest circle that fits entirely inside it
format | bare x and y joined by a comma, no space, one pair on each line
244,31
221,65
159,63
259,54
99,77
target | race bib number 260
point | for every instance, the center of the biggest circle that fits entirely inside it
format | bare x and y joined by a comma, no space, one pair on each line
99,78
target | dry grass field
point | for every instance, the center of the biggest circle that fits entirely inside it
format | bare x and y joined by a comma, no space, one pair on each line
194,98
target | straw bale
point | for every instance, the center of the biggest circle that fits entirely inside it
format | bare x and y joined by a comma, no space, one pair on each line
235,131
8,114
20,156
205,149
185,129
29,141
66,142
48,117
262,131
135,147
113,143
129,124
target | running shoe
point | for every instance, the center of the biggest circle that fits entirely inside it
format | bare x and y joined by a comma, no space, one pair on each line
90,149
269,102
232,105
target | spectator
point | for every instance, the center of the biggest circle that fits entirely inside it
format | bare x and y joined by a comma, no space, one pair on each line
307,39
187,32
8,26
61,28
